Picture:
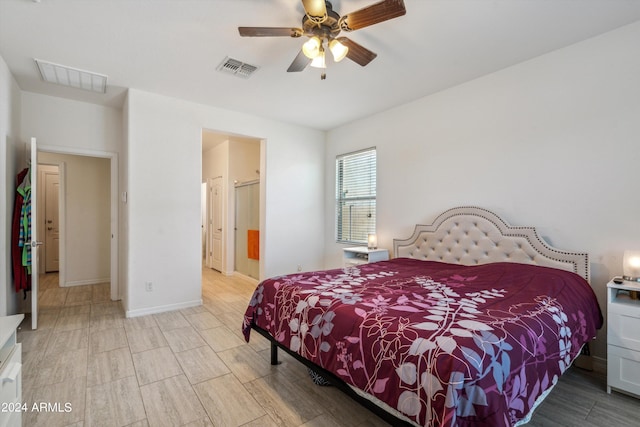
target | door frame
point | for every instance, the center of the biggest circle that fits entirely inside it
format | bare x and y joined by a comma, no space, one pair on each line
228,244
116,292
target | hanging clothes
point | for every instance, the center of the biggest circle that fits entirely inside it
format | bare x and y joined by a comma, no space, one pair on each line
24,241
21,238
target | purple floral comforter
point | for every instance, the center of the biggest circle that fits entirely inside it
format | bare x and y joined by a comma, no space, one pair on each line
444,344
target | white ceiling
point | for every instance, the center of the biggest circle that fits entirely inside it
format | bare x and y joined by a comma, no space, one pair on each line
172,47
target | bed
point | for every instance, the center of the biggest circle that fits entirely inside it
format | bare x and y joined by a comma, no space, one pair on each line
470,324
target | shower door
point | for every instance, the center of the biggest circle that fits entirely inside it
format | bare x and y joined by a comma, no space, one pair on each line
247,229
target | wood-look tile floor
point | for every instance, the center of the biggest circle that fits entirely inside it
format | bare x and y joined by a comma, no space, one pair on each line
192,367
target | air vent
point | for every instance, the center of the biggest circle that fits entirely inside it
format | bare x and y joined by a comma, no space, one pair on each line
236,68
74,77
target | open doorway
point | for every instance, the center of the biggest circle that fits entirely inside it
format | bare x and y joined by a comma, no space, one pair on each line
230,162
49,226
78,220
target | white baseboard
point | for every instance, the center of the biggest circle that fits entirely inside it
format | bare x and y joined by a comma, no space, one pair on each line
162,308
86,282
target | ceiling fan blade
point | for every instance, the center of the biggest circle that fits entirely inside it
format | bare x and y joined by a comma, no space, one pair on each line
316,10
378,12
269,32
357,53
299,64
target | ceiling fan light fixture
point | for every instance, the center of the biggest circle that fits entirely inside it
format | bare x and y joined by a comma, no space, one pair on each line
322,24
338,50
312,47
315,10
319,61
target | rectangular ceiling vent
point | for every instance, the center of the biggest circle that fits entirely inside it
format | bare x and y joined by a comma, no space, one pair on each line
236,68
72,77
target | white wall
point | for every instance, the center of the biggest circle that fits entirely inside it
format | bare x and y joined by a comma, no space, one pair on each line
87,228
244,159
552,142
164,196
215,161
66,123
63,125
11,162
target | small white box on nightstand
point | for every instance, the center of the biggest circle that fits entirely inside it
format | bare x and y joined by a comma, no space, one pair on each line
363,255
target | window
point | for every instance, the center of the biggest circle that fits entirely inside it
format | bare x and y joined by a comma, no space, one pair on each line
356,196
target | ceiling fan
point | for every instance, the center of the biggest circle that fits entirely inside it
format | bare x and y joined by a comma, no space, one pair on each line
323,25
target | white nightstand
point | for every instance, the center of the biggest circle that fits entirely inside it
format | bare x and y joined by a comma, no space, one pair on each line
10,372
363,255
623,337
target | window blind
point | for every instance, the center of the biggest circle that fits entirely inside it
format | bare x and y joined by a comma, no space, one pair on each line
355,196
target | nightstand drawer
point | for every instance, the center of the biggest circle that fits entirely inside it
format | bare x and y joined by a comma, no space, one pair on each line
11,388
627,307
623,369
624,331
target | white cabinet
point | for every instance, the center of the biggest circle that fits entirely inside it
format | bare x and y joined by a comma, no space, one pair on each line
10,372
363,255
623,337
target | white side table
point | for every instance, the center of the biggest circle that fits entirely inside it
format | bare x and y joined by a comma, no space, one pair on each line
10,372
362,255
623,337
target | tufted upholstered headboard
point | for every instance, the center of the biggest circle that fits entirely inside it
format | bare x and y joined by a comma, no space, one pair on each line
471,235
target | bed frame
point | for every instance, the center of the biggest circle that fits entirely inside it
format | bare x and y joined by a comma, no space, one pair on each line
464,235
335,381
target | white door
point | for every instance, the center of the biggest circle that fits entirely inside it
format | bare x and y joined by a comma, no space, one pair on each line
215,222
52,231
34,233
203,221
